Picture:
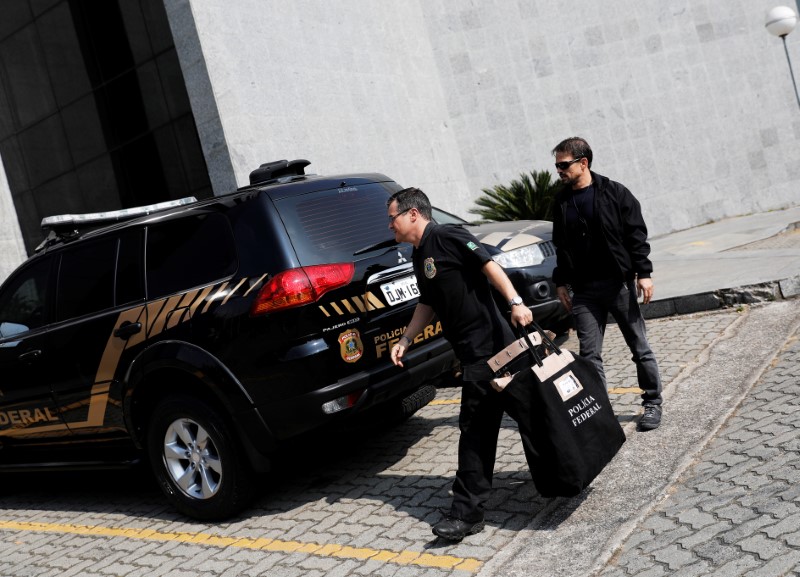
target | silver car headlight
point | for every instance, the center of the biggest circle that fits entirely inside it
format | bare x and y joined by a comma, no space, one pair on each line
529,255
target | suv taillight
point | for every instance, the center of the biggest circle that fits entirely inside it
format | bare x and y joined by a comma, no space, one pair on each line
299,286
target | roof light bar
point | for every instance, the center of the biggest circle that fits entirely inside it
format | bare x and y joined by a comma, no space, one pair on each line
112,215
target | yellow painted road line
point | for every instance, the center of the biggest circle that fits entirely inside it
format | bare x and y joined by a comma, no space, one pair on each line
330,550
623,390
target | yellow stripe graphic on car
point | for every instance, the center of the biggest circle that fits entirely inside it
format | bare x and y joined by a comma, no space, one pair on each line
200,300
359,304
161,320
369,302
217,295
156,317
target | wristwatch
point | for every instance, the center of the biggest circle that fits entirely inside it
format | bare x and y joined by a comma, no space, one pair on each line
517,300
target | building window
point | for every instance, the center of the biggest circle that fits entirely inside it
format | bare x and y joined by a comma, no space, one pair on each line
94,113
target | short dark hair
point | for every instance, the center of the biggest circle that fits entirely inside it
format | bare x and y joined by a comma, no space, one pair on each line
576,146
409,198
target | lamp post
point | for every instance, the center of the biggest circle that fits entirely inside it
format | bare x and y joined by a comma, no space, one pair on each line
781,20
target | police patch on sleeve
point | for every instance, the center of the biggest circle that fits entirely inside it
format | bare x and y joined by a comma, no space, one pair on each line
430,267
472,246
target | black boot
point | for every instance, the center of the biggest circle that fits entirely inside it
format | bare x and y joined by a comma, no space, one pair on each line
456,529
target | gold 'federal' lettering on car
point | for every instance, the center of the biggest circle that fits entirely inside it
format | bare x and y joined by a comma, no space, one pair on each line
385,341
369,302
26,417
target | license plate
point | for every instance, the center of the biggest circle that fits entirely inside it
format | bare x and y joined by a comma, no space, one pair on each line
400,290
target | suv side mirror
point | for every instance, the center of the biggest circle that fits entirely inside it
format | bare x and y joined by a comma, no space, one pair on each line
11,329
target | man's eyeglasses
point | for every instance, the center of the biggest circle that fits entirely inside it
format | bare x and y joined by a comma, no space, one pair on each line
564,165
394,216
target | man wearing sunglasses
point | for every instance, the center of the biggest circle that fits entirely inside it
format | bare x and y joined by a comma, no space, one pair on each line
603,266
454,272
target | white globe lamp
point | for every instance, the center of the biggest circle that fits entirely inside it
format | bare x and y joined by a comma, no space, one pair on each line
781,20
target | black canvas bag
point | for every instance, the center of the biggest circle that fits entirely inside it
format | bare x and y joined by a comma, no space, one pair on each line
568,428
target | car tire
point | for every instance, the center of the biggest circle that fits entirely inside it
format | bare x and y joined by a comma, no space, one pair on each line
195,460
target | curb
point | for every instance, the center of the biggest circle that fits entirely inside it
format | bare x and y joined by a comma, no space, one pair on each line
722,298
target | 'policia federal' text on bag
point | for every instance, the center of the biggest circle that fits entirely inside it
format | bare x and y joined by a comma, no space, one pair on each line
568,428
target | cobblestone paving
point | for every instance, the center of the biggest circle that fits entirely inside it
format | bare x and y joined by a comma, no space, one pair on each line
789,238
737,510
361,503
676,341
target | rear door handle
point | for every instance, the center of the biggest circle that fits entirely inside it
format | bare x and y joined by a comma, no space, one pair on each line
127,330
30,356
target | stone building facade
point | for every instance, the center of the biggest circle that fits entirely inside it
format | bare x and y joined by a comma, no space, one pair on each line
688,102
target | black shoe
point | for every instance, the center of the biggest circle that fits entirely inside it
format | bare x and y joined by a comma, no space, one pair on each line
651,418
456,529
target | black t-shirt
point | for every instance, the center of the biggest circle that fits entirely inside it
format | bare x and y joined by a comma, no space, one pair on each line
448,265
591,258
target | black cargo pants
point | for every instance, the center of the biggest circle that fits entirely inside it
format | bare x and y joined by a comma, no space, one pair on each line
479,421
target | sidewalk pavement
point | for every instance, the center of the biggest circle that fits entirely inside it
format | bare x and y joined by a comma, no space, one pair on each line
744,259
714,490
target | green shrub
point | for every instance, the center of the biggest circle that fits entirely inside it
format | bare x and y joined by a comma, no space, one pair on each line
529,198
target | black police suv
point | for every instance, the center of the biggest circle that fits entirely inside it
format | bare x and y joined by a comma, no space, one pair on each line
203,334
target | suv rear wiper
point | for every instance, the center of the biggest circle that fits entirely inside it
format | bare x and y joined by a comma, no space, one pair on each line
383,244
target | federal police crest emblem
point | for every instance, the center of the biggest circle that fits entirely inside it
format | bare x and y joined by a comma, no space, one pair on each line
430,267
350,346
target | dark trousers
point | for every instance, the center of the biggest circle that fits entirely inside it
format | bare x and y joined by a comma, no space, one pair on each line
479,421
591,305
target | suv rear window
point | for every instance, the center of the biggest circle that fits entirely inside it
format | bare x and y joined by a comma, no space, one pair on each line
331,225
189,252
86,279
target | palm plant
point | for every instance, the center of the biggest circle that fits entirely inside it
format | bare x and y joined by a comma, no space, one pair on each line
529,198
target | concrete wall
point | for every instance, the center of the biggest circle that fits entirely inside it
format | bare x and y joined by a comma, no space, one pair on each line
351,86
688,102
12,249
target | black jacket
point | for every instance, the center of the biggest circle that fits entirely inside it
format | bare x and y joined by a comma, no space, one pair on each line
622,225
